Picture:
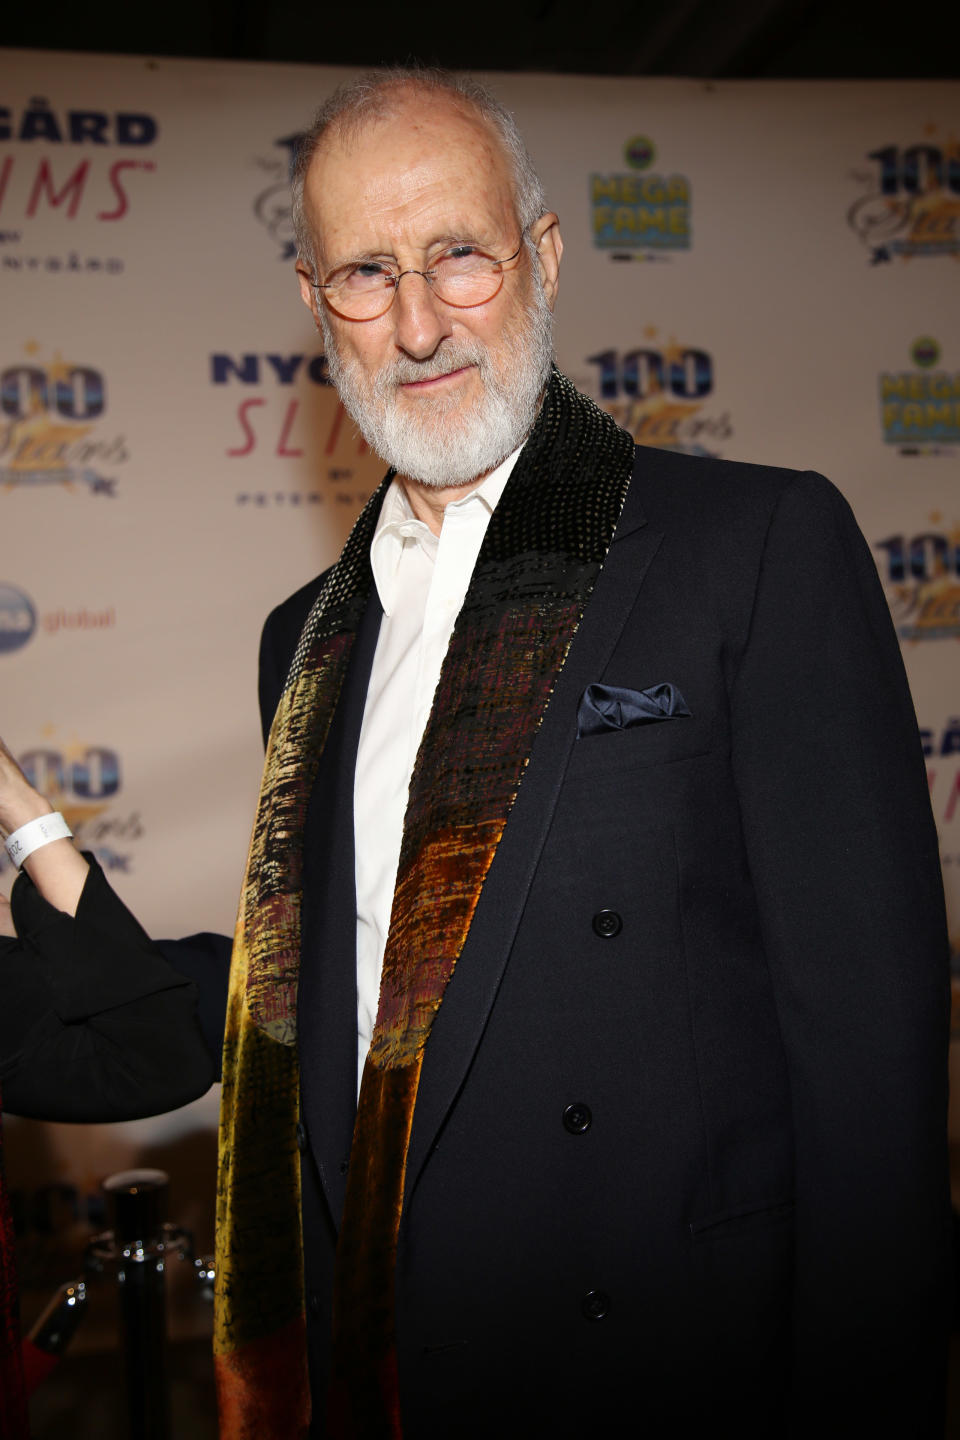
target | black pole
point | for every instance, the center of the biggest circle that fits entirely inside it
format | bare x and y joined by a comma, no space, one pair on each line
138,1200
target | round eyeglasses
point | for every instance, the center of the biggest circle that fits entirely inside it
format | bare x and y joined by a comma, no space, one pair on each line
463,275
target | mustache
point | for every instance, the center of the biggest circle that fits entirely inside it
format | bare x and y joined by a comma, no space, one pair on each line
450,355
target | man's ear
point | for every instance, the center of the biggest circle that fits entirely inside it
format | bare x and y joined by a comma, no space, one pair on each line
308,292
545,234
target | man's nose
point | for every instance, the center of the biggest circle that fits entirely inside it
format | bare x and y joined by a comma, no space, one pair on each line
420,320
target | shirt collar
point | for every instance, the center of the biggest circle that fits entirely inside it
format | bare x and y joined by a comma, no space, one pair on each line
397,524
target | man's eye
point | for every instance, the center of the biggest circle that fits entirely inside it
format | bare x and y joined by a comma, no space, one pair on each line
462,260
370,274
363,276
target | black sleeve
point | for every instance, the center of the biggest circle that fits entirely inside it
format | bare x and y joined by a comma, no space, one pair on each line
204,959
843,854
95,1023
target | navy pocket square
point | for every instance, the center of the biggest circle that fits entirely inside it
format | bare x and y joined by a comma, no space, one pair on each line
607,707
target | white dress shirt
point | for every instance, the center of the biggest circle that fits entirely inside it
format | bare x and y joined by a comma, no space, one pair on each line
421,579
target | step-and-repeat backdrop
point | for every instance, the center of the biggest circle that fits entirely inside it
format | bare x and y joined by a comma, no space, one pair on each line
763,271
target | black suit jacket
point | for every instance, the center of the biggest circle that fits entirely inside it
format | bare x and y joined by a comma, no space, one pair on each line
681,1170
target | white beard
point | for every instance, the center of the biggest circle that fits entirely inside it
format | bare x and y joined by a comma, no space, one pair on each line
438,441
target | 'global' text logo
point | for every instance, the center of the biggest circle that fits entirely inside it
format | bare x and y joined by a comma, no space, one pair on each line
18,618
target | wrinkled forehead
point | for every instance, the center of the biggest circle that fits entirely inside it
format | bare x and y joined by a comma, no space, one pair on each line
427,162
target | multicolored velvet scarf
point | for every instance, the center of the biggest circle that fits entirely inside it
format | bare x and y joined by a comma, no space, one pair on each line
540,559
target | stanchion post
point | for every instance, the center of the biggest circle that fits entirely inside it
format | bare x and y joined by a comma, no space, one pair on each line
138,1201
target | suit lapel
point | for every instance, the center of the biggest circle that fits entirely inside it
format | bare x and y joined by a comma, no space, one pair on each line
462,1018
327,1003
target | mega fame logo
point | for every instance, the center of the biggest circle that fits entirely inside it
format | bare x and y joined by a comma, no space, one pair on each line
84,782
58,165
51,430
921,576
643,213
920,407
662,394
910,205
284,407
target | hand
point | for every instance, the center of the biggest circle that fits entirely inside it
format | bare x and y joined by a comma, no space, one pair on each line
6,919
19,802
57,869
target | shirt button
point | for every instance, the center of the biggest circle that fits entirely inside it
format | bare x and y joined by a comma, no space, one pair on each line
577,1118
606,924
594,1305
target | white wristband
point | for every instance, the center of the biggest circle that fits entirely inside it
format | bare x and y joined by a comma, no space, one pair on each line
34,834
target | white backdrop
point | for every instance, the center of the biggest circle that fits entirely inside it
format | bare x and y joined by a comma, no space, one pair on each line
767,271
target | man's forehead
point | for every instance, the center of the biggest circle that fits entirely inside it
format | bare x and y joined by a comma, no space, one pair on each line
408,110
414,128
422,158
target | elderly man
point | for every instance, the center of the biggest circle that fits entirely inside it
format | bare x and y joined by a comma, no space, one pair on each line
594,841
594,838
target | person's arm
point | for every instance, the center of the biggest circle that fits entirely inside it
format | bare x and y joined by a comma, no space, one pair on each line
844,860
95,1023
57,869
104,933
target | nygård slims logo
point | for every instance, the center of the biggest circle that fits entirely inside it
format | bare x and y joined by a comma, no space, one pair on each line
60,164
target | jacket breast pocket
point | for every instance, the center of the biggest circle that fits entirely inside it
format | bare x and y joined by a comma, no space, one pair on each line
659,743
742,1220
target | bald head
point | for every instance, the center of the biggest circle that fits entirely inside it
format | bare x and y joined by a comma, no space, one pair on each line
382,95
